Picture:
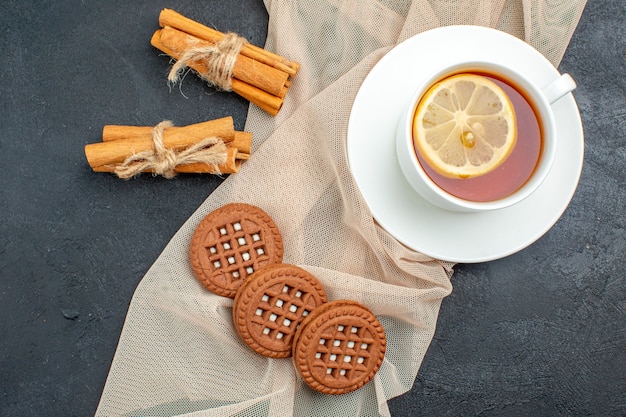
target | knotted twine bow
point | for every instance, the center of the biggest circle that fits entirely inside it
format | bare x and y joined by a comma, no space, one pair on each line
219,58
163,161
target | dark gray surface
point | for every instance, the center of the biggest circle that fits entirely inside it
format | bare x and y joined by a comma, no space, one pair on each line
541,332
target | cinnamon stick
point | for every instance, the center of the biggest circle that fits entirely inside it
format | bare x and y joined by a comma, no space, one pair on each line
268,102
173,43
223,127
169,17
245,69
243,143
111,151
231,166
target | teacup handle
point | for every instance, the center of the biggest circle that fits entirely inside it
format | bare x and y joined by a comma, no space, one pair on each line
558,88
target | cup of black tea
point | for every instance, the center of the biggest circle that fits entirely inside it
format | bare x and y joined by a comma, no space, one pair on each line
479,136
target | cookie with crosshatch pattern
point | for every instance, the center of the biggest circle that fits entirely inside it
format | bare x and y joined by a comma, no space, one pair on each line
270,305
339,347
230,244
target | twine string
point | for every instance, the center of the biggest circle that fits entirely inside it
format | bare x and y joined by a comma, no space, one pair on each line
163,161
219,58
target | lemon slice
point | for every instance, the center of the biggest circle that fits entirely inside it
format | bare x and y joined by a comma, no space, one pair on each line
464,126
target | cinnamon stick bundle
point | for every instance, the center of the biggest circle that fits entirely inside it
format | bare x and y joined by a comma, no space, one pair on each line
121,142
260,76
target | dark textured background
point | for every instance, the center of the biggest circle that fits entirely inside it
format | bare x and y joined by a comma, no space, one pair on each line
541,332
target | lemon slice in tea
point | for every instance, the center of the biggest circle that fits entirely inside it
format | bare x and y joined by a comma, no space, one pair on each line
464,126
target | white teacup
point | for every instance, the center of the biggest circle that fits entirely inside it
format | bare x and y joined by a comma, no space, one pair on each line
541,98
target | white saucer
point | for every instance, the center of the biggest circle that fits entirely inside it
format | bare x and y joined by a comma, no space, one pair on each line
456,237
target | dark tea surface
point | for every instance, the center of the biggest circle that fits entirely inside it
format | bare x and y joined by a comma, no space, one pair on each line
513,173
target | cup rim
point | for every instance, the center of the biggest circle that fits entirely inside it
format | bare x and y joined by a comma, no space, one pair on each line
546,119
